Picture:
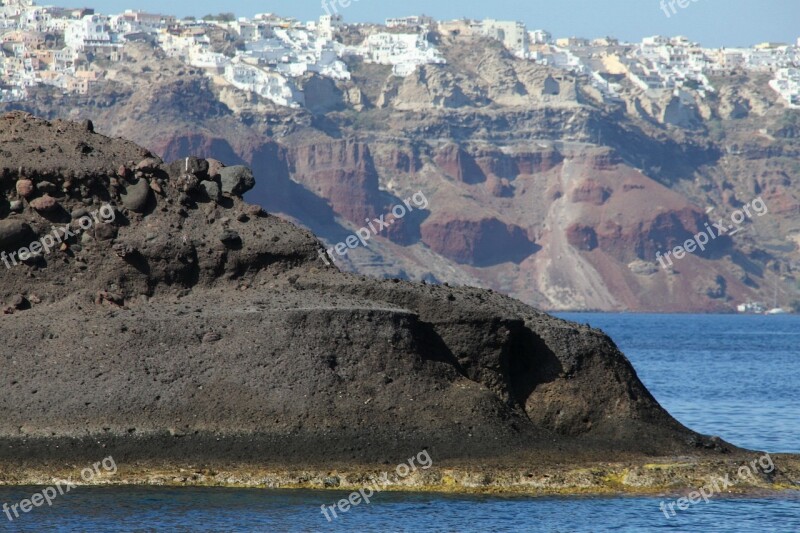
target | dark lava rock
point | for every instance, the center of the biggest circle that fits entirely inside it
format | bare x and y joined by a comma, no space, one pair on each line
136,197
211,337
255,211
14,233
19,302
149,164
214,168
105,232
78,213
187,183
211,189
237,180
230,238
189,165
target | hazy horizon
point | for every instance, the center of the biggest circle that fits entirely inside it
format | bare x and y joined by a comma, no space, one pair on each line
713,23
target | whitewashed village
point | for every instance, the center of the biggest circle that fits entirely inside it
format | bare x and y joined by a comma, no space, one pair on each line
55,46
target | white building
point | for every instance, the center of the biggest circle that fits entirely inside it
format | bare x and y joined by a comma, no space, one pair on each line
405,51
91,30
295,52
132,21
35,19
15,8
327,26
654,41
540,37
205,58
787,84
270,85
561,58
513,35
251,31
410,22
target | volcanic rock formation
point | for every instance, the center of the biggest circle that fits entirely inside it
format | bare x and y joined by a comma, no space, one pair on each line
198,326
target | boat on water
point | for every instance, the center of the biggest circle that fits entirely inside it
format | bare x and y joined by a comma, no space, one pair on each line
753,308
775,309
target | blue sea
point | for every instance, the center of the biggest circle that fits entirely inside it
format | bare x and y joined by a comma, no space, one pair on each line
732,376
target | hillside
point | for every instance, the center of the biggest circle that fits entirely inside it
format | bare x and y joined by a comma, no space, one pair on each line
536,186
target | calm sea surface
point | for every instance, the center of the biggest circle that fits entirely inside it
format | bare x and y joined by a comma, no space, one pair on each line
732,376
735,376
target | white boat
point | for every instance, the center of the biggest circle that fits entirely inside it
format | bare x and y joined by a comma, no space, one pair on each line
775,309
752,308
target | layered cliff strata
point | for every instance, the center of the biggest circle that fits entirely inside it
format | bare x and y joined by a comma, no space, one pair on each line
511,154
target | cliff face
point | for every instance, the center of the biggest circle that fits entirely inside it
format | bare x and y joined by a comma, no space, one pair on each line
190,325
536,188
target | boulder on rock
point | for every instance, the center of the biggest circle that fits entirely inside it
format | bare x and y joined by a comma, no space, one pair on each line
237,180
230,238
13,233
149,164
214,168
45,204
188,165
25,188
212,189
135,197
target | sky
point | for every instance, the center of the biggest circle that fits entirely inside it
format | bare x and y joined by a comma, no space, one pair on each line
713,23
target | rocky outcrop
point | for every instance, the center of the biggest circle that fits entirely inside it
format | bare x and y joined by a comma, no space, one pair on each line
171,251
211,331
481,243
344,173
510,165
459,165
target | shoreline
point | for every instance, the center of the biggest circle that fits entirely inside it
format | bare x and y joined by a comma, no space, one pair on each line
658,477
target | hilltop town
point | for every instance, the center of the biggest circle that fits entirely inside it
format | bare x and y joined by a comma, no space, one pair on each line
71,48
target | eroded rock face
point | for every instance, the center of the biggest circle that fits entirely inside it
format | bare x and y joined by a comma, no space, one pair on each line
214,332
458,164
582,237
478,242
